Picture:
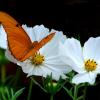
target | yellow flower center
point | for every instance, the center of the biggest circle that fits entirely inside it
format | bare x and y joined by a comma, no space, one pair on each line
37,59
90,65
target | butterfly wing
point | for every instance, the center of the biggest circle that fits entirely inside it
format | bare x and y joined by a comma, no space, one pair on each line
37,46
45,40
18,41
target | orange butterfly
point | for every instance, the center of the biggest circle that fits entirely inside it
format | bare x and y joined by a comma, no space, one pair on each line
20,45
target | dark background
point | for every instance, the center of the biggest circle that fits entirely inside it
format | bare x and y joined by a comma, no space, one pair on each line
73,17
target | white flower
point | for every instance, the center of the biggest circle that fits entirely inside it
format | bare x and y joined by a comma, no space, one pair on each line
46,61
84,60
3,38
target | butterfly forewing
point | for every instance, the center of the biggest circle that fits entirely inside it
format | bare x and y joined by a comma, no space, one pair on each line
18,40
12,27
46,40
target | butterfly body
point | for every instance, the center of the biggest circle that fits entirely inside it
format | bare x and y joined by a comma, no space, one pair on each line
19,43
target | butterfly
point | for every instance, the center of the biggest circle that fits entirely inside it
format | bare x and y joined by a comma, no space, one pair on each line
19,43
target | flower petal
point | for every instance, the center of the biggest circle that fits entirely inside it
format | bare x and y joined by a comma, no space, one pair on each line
45,71
3,38
58,64
91,49
50,48
52,58
26,66
86,77
71,54
55,63
36,33
97,70
59,35
40,32
41,70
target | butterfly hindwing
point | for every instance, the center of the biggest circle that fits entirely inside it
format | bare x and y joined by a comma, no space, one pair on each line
39,45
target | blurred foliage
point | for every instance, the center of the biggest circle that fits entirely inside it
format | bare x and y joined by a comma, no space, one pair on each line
51,86
7,93
10,87
3,59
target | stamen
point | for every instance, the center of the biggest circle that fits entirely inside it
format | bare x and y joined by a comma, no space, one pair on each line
90,65
37,59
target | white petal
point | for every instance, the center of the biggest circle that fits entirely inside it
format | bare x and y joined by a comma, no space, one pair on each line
97,70
59,36
40,32
44,71
27,67
41,70
86,77
55,63
71,54
91,49
3,38
50,65
52,58
51,48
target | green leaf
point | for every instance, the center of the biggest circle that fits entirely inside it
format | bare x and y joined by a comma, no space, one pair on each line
7,92
80,98
12,92
17,94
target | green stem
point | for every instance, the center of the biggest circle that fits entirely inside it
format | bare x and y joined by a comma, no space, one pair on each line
30,90
75,92
68,91
85,88
51,98
3,73
34,81
18,74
